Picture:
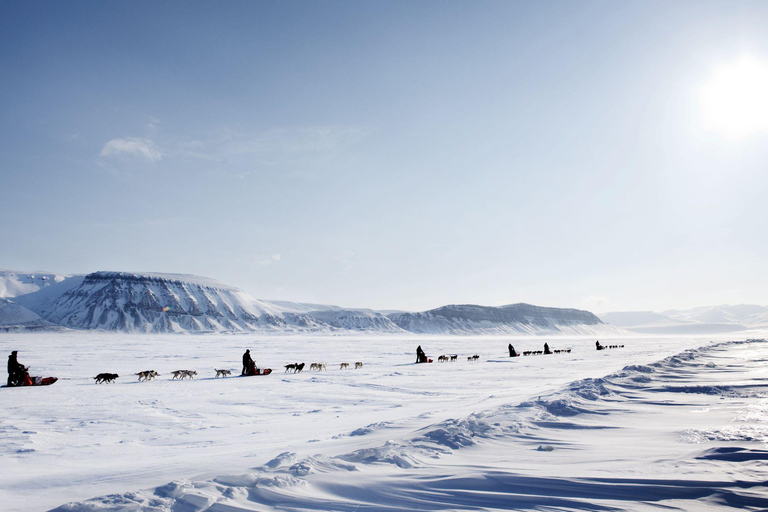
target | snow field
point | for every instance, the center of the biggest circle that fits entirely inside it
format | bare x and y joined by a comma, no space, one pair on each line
493,434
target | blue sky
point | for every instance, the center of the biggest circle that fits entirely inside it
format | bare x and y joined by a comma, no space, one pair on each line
398,155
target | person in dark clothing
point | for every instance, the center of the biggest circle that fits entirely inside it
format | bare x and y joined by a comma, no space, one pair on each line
598,346
249,367
546,349
421,357
15,370
512,352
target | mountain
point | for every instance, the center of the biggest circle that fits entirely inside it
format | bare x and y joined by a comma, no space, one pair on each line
13,284
356,320
15,317
151,302
170,303
701,320
511,319
745,314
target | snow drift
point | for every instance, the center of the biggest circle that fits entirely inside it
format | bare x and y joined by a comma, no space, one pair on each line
659,435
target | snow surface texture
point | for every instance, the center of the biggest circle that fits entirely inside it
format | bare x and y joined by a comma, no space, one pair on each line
176,303
664,423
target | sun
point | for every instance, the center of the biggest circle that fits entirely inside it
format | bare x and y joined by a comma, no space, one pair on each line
735,100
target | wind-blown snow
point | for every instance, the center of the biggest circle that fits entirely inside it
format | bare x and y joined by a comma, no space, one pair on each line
674,423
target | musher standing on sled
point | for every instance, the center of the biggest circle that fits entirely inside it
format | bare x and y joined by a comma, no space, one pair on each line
16,370
249,367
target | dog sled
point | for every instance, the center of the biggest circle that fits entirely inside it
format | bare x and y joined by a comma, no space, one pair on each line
258,372
34,381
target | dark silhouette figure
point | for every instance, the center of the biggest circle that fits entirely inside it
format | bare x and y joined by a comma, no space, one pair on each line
16,370
421,357
249,367
546,349
512,352
598,346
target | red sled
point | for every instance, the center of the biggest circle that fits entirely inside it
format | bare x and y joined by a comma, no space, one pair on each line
35,381
259,372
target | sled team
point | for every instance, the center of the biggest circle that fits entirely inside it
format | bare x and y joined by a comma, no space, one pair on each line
18,374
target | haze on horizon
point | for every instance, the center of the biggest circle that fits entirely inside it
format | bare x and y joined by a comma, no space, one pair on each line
394,155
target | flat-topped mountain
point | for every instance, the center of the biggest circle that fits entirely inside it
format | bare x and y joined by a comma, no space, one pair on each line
151,302
511,319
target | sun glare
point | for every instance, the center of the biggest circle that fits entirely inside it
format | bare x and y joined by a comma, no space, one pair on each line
735,101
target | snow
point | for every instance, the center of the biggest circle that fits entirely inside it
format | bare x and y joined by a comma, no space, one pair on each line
14,314
666,422
15,283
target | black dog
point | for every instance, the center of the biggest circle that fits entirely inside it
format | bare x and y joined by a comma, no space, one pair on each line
105,377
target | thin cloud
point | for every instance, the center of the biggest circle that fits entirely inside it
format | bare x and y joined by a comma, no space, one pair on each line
132,146
276,144
595,303
263,260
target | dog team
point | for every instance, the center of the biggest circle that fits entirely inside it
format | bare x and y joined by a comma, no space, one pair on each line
298,367
249,367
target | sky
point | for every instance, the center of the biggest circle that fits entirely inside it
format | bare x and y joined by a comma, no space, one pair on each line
393,155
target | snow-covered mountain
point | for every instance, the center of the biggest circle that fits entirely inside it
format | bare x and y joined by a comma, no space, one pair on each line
151,302
750,315
356,320
15,317
706,319
13,284
511,319
154,303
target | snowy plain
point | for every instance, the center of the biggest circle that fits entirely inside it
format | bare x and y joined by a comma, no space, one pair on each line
665,422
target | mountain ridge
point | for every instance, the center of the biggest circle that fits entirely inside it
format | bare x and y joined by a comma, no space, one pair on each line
704,319
152,302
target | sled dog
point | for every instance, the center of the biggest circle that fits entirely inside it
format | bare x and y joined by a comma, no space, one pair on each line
105,377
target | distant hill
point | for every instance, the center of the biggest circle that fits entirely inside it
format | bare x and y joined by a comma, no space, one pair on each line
150,302
511,319
13,284
701,320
